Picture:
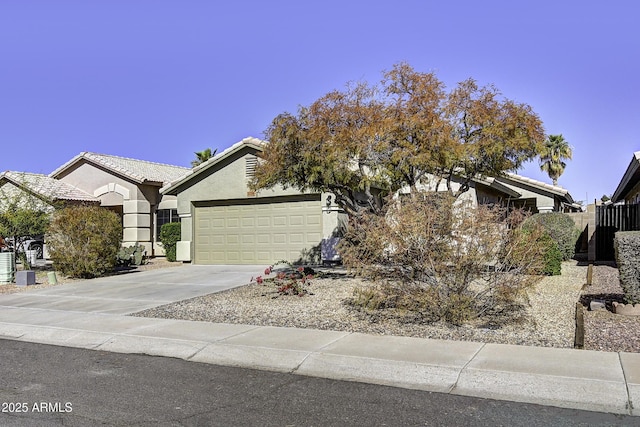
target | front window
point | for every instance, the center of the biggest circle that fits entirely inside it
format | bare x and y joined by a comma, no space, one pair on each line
165,216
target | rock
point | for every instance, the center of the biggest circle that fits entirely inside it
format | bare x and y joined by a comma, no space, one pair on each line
597,304
626,309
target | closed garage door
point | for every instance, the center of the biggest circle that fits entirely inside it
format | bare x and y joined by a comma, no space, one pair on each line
258,231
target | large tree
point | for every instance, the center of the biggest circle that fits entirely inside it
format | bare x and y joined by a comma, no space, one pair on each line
368,141
555,150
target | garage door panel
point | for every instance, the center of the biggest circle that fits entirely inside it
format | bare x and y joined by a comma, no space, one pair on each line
313,220
296,238
257,233
263,221
280,256
248,222
296,220
279,221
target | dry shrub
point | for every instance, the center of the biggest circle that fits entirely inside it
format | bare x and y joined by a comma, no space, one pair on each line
84,240
439,259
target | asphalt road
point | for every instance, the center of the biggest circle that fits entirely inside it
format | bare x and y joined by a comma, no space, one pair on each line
42,385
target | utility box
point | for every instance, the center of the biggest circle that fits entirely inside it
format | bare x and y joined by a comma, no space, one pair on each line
183,250
25,278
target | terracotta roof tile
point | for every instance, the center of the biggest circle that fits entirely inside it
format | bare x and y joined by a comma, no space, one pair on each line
47,187
137,170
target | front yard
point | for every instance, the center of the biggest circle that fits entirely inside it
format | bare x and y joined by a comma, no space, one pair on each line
547,319
604,330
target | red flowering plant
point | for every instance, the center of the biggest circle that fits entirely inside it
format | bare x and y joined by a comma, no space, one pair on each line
293,283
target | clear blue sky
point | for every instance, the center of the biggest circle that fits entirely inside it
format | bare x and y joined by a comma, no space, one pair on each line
158,80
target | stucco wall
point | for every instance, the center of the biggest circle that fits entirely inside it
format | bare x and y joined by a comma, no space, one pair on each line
543,202
228,180
138,201
633,196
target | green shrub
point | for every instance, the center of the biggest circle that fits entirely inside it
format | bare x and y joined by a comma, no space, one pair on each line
170,235
552,257
561,228
627,248
83,241
132,255
534,242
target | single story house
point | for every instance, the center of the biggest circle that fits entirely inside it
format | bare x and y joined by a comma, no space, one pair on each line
539,196
628,190
510,190
45,191
225,222
130,188
127,186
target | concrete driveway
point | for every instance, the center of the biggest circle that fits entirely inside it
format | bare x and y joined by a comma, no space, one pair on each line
134,291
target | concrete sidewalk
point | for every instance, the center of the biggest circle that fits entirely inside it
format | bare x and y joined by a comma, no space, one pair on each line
70,316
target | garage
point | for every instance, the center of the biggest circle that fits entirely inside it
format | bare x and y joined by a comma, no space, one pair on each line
257,231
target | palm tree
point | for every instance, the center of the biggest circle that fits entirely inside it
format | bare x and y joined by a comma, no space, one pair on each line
203,156
555,150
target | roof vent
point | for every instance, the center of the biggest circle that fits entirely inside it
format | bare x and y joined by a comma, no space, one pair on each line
250,166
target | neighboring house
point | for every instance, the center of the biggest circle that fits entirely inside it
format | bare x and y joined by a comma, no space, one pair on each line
40,192
46,190
224,222
539,196
130,188
628,190
510,190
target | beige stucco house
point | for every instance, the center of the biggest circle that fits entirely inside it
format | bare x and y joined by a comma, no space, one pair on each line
225,222
628,190
510,190
45,190
539,196
129,187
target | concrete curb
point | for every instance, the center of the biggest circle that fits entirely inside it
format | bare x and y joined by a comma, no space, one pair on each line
578,379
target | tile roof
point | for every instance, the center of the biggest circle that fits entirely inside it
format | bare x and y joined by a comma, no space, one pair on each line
47,187
137,170
630,178
248,141
554,189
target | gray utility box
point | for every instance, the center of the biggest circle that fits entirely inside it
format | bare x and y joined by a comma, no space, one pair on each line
25,277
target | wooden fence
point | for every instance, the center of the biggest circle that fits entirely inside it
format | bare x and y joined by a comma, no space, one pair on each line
612,218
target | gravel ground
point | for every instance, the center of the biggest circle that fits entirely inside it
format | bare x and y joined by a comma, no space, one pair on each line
547,320
605,330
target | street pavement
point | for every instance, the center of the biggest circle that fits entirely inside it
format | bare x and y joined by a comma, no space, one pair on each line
93,315
43,385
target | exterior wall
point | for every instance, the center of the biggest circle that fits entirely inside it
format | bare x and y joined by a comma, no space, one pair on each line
228,180
137,202
633,196
586,223
431,184
334,219
544,203
165,202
